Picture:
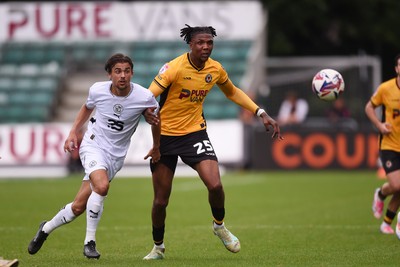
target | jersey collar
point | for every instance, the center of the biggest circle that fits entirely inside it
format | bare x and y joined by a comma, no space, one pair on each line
193,65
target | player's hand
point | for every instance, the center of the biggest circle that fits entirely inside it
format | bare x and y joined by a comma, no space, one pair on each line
150,117
268,121
385,128
71,143
155,155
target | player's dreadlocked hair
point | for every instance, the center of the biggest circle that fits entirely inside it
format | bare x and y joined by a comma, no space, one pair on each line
117,58
188,32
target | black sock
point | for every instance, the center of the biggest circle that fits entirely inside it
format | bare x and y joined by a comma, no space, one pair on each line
380,195
158,235
389,216
218,214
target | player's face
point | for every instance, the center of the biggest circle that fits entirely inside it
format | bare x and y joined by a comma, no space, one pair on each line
120,76
397,68
201,47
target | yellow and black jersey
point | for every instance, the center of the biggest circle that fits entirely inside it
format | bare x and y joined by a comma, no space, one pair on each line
182,88
388,96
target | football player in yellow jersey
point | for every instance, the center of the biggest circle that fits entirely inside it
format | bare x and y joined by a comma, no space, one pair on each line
183,84
387,96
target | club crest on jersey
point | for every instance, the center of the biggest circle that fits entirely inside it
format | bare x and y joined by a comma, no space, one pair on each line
118,110
92,164
208,78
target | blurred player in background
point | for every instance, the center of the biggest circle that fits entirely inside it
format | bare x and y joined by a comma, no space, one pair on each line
387,95
119,105
182,85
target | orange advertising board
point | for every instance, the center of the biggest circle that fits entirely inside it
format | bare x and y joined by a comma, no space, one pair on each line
315,150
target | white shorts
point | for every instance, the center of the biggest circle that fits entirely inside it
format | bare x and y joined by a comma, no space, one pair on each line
94,158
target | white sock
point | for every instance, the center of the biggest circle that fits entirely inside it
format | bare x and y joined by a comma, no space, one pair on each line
94,210
64,216
160,246
217,226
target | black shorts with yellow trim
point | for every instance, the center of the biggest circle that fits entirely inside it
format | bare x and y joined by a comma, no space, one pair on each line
390,160
191,148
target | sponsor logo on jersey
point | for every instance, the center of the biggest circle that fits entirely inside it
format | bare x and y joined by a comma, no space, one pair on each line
396,112
184,93
193,95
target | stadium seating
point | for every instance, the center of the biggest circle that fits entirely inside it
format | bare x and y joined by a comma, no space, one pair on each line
30,78
32,74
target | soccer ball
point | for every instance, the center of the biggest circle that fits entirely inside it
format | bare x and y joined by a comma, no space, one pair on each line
328,84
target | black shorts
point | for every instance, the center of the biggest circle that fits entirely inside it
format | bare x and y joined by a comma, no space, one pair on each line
390,160
191,148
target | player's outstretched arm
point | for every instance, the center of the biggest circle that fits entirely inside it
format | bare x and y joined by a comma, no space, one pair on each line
268,121
242,99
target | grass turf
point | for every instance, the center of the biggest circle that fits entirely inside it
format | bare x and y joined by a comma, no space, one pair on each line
296,218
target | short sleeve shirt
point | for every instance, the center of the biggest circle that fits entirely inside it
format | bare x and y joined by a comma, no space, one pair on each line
185,88
388,96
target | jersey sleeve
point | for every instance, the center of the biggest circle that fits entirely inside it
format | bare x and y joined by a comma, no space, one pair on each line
223,76
90,101
156,88
154,103
238,96
376,98
164,78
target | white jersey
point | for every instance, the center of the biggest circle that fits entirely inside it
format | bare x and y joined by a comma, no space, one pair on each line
116,117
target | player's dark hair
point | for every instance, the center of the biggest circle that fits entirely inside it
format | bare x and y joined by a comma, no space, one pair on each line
396,60
117,58
188,32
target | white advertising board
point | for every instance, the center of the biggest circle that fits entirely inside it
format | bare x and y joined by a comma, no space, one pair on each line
126,21
37,149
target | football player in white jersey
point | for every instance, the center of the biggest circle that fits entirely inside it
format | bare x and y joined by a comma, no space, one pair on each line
119,105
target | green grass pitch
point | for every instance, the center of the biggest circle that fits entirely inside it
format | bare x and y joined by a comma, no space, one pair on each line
282,218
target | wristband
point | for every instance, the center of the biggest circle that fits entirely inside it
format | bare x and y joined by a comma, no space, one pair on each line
260,111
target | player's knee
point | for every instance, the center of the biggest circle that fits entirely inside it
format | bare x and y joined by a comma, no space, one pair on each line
78,209
215,188
396,186
102,189
160,203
